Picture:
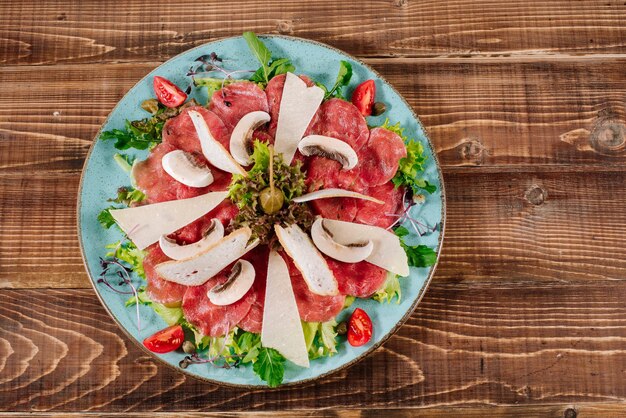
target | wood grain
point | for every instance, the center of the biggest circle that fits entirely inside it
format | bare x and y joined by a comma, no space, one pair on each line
36,33
564,226
477,113
507,343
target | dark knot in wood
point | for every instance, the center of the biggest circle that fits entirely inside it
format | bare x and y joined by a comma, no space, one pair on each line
285,26
570,413
400,3
472,150
536,195
608,136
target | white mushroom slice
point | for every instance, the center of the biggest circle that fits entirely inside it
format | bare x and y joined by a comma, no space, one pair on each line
179,252
329,147
240,139
239,281
196,270
315,271
328,193
181,166
145,224
351,253
297,107
282,329
387,252
214,152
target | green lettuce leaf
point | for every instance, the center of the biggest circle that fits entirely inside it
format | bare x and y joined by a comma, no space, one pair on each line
129,254
389,290
270,366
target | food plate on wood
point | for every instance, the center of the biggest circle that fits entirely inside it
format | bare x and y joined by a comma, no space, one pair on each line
261,211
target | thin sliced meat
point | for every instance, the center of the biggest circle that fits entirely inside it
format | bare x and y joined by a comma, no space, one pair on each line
159,186
210,319
253,321
324,173
180,132
342,120
339,208
263,136
225,212
378,160
371,213
236,100
360,279
312,307
274,91
160,290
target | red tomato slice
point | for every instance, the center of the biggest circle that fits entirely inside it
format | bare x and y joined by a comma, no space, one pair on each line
166,340
359,328
167,92
364,96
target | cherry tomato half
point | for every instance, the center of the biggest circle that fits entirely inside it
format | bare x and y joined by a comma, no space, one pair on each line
167,92
364,96
166,340
359,328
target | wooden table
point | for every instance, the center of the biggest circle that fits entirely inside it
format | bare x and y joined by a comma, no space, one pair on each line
525,104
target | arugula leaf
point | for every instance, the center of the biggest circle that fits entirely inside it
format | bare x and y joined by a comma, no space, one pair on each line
343,79
270,366
389,289
419,255
124,161
268,69
139,134
411,165
106,219
128,253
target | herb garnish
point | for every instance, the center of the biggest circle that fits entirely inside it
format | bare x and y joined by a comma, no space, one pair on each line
343,79
270,366
269,68
418,255
126,196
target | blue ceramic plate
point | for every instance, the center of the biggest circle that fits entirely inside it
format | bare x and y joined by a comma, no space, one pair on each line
101,177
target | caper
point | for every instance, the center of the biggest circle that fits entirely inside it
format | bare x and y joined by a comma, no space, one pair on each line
379,108
271,200
150,105
189,347
184,363
342,328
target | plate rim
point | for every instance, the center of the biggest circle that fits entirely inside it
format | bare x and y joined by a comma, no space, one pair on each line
344,366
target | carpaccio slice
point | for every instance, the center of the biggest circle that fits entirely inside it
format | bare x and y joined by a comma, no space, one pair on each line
371,213
312,307
236,100
180,132
360,279
210,319
158,289
339,208
379,158
324,173
342,120
274,91
194,232
253,321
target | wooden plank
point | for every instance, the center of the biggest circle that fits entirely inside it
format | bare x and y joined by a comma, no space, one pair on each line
553,226
586,410
507,343
34,33
477,113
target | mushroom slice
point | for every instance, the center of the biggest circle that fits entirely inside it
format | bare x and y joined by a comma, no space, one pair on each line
181,166
387,252
329,147
349,253
214,152
315,271
240,139
239,281
328,193
196,270
179,252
